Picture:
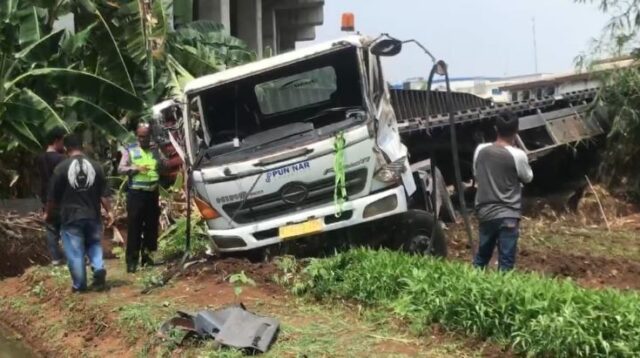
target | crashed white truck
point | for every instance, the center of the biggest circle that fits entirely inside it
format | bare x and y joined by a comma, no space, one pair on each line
271,144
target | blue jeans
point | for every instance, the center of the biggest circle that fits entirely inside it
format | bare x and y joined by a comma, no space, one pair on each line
53,241
504,233
79,238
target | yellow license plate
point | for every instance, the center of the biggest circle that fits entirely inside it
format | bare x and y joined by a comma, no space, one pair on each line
295,230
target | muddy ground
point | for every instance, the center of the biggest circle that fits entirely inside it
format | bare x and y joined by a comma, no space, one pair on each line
122,321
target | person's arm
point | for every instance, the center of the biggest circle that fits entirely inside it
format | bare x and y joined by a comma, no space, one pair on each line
475,155
525,173
44,181
163,164
105,199
125,167
55,192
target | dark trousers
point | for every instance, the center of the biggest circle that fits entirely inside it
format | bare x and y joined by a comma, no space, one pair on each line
143,214
504,233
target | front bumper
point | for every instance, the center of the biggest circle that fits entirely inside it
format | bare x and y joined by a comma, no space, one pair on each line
265,233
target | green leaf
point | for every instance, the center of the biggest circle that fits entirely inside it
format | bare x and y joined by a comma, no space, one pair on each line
83,84
204,26
198,61
88,5
21,132
133,33
160,10
110,50
97,116
47,113
43,49
72,44
179,76
30,31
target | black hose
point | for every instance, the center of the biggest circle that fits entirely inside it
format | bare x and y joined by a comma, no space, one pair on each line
432,154
171,273
187,248
456,159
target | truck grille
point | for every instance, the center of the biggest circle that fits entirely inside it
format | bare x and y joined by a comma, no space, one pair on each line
272,205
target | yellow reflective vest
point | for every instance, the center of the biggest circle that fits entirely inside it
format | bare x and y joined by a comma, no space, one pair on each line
144,158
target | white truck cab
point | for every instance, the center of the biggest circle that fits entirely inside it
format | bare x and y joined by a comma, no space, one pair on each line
270,141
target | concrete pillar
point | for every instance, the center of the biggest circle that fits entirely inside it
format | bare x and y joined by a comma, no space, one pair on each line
269,30
249,23
216,10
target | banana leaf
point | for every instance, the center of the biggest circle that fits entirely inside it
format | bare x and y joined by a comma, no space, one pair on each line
97,116
83,84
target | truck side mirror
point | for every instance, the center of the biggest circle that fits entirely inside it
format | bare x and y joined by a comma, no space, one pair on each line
386,47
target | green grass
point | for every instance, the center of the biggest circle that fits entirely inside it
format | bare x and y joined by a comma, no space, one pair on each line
312,329
140,319
535,315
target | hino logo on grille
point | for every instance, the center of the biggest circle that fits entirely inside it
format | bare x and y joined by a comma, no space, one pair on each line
294,193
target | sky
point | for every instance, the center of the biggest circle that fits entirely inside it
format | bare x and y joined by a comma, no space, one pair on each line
475,37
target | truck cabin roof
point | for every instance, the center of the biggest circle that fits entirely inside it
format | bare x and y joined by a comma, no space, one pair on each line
267,64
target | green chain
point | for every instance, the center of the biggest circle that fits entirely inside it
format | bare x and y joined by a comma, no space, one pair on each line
340,189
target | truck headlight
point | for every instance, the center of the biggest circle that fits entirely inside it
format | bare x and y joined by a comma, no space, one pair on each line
391,172
386,175
380,206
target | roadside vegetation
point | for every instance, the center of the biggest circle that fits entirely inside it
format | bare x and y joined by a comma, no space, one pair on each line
532,314
620,93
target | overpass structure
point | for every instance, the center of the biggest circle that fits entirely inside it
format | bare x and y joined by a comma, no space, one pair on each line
268,26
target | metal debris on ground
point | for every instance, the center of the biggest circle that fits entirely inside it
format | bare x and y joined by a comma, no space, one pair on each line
233,327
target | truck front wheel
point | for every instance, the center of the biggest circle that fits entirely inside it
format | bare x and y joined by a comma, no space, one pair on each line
417,233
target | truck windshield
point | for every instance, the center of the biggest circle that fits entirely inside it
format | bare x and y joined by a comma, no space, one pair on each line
310,91
297,91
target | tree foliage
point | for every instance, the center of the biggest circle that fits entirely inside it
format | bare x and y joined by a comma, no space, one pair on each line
122,59
620,93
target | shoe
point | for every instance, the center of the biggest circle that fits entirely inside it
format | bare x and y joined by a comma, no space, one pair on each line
78,290
131,268
99,280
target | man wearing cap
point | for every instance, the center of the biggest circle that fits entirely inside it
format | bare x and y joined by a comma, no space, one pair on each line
142,164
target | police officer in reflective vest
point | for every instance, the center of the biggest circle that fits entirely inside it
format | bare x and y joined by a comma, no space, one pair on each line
142,164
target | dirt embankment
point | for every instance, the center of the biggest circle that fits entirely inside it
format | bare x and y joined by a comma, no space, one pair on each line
122,321
22,243
596,250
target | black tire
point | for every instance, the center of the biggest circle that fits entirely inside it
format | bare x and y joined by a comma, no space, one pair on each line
418,234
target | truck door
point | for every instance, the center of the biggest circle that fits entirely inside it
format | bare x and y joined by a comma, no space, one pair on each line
387,134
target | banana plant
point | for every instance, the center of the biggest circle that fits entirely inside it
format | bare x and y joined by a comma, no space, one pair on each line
122,59
37,94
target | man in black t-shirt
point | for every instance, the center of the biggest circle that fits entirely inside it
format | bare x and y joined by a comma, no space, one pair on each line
78,187
47,161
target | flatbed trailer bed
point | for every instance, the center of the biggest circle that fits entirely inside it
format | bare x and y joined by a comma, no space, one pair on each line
545,123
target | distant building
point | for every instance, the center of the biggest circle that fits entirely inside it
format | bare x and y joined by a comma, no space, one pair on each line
562,83
522,88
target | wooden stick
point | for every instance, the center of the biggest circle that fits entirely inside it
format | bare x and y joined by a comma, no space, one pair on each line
604,216
401,340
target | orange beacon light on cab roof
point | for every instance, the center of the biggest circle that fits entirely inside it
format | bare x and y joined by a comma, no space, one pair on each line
348,22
